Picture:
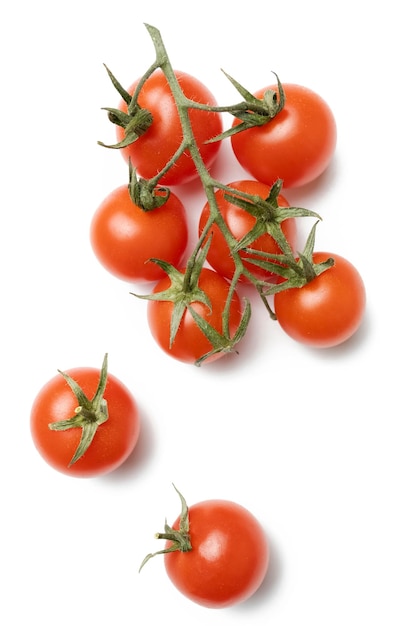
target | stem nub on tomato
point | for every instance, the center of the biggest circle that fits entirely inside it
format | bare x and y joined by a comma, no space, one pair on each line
135,223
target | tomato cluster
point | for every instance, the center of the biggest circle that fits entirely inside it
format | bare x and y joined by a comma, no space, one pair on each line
169,128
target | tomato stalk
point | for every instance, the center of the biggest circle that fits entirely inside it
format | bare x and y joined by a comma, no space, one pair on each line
264,210
188,292
252,111
180,539
89,414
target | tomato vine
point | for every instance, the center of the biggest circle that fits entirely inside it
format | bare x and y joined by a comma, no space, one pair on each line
293,269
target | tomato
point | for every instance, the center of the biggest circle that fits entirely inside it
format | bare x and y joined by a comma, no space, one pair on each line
216,553
114,439
240,222
296,145
327,310
190,343
229,556
124,236
150,152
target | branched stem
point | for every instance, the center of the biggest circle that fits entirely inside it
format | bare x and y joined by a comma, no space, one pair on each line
253,112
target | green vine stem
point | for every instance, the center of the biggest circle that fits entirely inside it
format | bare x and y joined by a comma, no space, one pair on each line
269,216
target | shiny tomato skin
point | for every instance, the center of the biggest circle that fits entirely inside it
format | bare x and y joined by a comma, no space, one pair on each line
328,310
296,146
114,440
229,556
240,222
190,343
150,152
124,237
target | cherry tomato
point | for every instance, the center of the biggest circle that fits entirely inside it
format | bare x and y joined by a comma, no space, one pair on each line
229,556
327,310
124,236
295,146
150,152
114,439
190,343
240,222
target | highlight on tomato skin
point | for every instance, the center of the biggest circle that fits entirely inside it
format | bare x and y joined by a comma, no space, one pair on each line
113,441
328,310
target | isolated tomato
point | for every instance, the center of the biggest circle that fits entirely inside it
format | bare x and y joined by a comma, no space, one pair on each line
229,556
240,222
114,439
216,553
190,343
327,310
296,145
124,236
150,152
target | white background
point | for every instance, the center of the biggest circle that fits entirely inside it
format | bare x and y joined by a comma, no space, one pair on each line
320,446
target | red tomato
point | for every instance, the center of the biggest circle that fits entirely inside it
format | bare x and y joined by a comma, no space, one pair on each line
124,237
114,439
150,152
295,146
229,556
190,343
326,311
240,222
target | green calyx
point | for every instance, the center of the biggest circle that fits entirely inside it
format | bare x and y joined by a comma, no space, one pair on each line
253,111
89,414
184,290
135,122
300,271
180,539
269,216
144,194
